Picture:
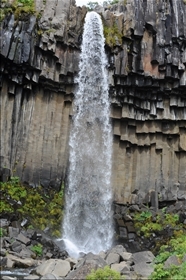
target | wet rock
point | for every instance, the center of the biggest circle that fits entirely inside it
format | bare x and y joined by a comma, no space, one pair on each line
8,278
32,277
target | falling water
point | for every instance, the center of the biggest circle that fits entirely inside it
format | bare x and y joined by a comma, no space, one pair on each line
87,223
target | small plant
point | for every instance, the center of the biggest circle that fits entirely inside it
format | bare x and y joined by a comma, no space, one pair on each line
144,216
37,249
2,232
105,273
91,5
112,35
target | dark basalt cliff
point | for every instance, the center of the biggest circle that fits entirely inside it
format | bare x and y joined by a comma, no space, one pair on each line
147,77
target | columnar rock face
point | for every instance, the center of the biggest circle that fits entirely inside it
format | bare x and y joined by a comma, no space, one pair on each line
147,77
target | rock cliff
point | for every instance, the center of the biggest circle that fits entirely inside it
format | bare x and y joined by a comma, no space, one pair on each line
146,49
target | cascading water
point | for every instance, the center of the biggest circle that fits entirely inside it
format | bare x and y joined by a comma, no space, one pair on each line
87,223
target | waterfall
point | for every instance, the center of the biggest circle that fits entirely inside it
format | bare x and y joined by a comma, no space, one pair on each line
87,225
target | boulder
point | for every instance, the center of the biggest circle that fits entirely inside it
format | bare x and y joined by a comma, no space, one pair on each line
143,263
22,263
32,277
143,257
5,277
118,249
120,267
54,266
82,271
16,246
23,239
112,258
13,232
125,256
49,276
85,265
143,269
172,260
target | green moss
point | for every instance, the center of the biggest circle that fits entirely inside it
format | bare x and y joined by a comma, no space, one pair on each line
112,35
42,208
20,8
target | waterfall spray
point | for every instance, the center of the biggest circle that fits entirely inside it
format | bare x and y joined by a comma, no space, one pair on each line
87,225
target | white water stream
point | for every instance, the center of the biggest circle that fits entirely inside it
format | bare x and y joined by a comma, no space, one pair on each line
87,225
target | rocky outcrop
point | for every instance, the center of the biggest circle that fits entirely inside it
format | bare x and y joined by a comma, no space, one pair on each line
54,262
147,77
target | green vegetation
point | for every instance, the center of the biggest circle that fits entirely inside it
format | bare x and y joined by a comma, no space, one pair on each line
176,246
105,273
91,5
146,224
42,208
112,35
113,2
37,249
20,8
2,232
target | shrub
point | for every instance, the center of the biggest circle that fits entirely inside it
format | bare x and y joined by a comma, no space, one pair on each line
19,8
2,232
37,249
175,246
40,207
105,273
112,35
